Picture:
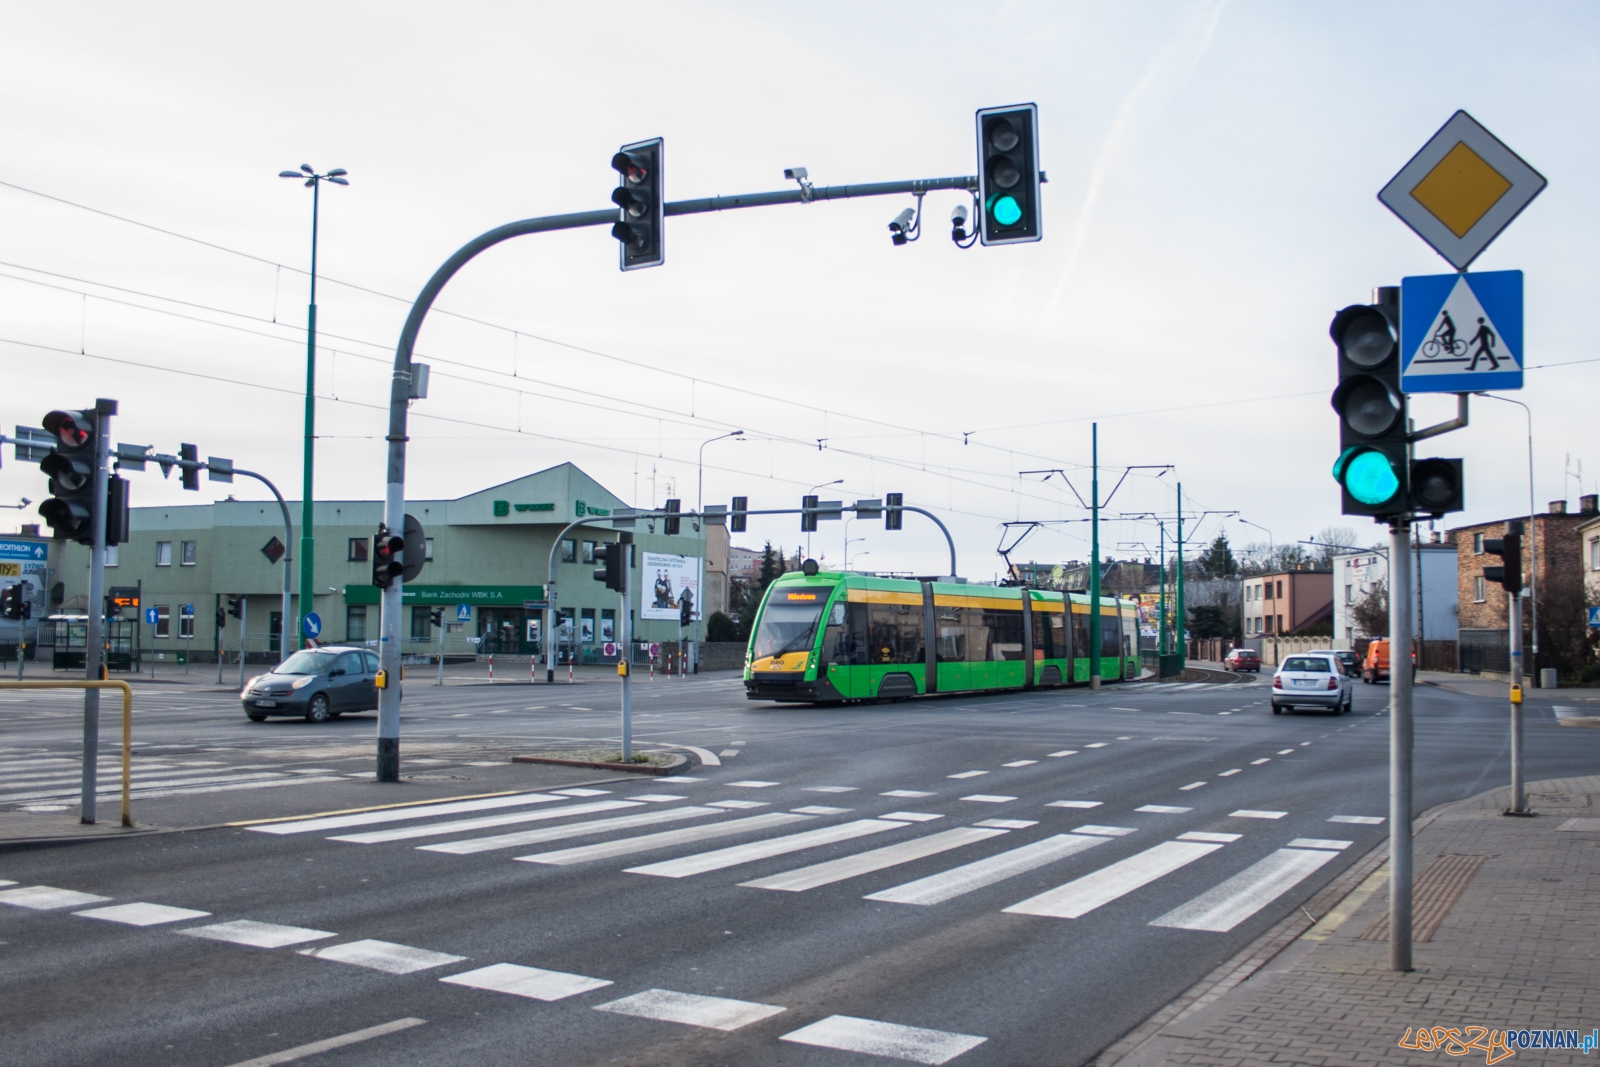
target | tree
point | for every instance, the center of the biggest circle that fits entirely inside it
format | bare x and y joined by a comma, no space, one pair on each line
1217,561
1211,620
1334,541
772,566
719,627
1371,612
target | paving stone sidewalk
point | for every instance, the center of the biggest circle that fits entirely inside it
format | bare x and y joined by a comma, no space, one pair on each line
1519,949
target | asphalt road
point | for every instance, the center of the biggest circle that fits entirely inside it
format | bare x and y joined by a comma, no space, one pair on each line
859,885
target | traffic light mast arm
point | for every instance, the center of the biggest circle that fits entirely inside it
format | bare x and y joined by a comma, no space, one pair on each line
818,192
1457,423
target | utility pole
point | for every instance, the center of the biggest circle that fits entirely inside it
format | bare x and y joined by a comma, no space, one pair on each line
1094,557
1180,623
1161,524
244,611
1400,745
625,624
94,652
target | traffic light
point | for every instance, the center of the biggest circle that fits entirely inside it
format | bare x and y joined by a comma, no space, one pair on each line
808,514
71,508
116,510
1008,174
236,606
436,617
415,546
639,196
739,517
672,525
1509,549
222,619
1437,486
189,476
686,608
614,571
1373,465
893,517
388,555
13,603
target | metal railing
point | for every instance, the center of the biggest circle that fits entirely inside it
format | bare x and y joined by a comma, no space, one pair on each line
90,785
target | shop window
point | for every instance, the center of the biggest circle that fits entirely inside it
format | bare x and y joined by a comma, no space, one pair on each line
421,623
586,626
608,624
355,615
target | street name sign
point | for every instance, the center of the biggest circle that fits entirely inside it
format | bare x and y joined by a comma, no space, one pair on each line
1462,189
1460,333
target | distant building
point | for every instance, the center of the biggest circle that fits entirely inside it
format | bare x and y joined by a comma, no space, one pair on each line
1356,575
1287,602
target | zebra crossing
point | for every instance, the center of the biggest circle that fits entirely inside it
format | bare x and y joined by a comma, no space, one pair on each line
39,782
630,828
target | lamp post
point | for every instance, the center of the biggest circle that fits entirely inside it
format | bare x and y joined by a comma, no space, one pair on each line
1533,532
308,590
699,507
813,489
1260,527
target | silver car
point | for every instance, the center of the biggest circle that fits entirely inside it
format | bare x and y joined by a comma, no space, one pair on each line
1315,680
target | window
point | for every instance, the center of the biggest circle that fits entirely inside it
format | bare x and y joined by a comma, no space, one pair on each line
421,623
111,555
428,556
164,618
370,662
586,626
1349,593
1269,624
569,550
1594,555
894,633
588,552
1480,590
188,553
186,621
608,624
355,615
1280,591
358,550
1477,544
163,553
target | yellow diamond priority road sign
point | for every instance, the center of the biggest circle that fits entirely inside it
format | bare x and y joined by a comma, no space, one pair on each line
1461,190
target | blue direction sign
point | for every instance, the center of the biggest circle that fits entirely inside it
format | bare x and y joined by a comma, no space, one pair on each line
24,550
312,625
463,612
1461,332
152,616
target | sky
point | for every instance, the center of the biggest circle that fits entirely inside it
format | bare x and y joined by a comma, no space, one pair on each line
1213,169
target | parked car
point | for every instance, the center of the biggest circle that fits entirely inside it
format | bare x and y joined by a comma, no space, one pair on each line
317,684
1347,659
1311,680
1243,659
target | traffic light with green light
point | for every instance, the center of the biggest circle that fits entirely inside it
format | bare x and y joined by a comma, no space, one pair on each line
1008,174
1374,465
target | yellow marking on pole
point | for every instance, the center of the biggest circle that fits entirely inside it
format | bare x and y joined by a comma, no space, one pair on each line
127,726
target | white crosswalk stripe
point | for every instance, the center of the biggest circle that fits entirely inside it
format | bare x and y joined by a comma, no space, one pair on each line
891,1040
1226,905
701,863
667,839
958,881
878,859
1081,896
419,811
691,1009
455,826
473,845
535,983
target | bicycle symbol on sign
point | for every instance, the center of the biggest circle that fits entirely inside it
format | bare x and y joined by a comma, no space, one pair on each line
1444,341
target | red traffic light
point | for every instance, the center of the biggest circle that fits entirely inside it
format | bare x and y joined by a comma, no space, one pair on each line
74,429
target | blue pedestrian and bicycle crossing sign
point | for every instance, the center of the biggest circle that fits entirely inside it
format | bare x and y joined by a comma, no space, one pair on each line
1460,333
312,625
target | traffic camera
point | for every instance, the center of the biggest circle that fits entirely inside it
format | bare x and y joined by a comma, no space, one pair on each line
1373,464
639,197
1008,174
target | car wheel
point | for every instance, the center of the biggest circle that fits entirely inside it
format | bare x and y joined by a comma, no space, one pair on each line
256,716
1276,710
318,710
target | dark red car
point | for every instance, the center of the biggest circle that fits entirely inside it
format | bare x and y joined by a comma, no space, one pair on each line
1243,659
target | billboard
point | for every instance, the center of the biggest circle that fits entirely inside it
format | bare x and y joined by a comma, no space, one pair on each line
664,579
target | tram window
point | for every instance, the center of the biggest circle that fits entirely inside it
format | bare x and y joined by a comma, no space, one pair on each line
844,641
1080,636
1110,637
1003,630
895,633
952,635
1049,635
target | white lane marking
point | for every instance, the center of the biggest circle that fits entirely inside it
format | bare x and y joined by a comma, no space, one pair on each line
1206,835
385,956
1191,785
45,897
734,855
691,1009
1230,774
1285,751
707,757
1063,752
257,935
1020,763
1007,824
1104,831
1082,895
1303,744
966,774
728,753
821,809
989,798
666,839
906,794
433,829
679,778
1359,820
560,833
1163,809
1098,744
738,804
535,983
571,792
300,1052
751,785
7,881
1259,762
142,914
911,1043
1226,905
1251,813
1074,803
1320,842
656,798
421,811
911,816
877,859
830,789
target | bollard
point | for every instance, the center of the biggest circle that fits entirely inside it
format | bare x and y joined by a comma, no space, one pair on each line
491,668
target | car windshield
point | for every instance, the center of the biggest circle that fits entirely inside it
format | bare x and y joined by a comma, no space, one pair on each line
788,625
1309,664
305,663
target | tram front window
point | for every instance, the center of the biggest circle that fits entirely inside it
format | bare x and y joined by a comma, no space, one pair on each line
788,625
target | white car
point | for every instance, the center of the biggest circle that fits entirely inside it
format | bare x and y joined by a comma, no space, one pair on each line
1311,680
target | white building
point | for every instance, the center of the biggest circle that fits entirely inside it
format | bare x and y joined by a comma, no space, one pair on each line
1356,574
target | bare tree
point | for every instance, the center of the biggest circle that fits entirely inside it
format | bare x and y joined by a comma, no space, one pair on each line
1333,541
1371,612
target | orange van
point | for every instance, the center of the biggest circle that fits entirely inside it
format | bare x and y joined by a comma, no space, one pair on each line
1375,665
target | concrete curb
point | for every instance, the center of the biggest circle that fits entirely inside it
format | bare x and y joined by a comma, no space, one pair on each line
678,763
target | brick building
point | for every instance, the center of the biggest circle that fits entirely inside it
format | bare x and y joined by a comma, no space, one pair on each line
1552,562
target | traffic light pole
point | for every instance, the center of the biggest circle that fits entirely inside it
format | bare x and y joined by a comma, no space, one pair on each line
1095,642
1400,745
1519,797
625,623
94,649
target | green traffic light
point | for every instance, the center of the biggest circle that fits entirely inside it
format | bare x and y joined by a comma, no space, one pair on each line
1006,211
1367,475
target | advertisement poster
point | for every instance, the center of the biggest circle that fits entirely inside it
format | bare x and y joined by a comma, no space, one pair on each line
664,581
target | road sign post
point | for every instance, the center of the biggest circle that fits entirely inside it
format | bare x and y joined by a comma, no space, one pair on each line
1400,745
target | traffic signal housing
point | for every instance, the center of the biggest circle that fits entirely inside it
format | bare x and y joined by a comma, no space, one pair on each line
738,517
388,554
236,606
1008,174
638,195
808,514
613,571
1373,468
893,517
14,602
672,526
436,617
1438,486
1509,549
188,476
71,508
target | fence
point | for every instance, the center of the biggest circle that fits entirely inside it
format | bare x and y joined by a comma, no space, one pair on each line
1485,650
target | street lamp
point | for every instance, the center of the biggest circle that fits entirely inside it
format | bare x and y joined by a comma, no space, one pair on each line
813,489
1260,527
858,555
699,507
313,182
1533,530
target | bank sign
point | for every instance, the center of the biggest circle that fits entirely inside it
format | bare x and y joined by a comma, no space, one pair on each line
487,596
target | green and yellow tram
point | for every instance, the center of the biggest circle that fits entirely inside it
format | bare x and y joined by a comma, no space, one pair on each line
826,638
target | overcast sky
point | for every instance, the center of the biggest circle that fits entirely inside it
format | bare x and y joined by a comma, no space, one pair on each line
1212,201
